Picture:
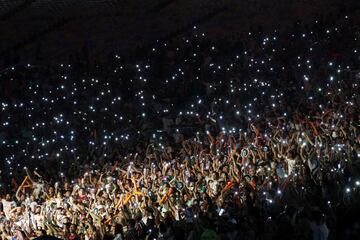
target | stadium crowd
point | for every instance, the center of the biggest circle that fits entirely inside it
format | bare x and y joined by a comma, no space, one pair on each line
254,137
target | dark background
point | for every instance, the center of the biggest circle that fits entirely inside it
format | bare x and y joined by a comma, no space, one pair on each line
38,30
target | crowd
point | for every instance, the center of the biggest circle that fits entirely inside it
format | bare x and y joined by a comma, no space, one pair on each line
254,137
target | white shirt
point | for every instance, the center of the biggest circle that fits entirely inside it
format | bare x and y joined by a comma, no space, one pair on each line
37,188
291,164
38,221
7,207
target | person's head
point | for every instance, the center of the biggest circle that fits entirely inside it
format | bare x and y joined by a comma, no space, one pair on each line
59,195
203,206
8,197
72,228
118,228
38,210
131,223
67,194
51,191
42,232
22,197
66,185
32,197
81,192
215,175
63,211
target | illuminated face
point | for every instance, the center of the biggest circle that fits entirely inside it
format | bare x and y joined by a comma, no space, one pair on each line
51,191
38,210
81,192
72,228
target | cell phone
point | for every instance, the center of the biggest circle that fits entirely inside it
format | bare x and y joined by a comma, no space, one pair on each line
221,212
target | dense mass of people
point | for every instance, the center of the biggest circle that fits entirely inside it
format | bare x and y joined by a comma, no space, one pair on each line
246,138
